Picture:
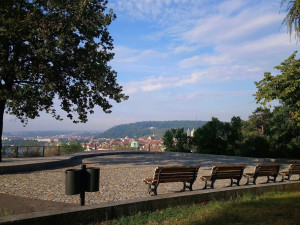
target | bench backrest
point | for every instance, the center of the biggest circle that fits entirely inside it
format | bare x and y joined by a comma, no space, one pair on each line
227,172
176,174
294,168
267,170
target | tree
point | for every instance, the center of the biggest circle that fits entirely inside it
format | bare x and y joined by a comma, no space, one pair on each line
70,148
210,138
292,19
176,140
168,140
235,135
284,135
53,49
260,119
284,87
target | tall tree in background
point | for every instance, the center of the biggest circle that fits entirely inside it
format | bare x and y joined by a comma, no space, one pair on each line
176,140
284,87
260,119
53,49
292,19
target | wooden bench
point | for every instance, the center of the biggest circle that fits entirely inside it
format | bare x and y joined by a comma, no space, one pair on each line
185,174
293,169
268,170
232,172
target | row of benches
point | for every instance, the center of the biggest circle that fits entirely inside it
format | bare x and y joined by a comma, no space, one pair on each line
188,175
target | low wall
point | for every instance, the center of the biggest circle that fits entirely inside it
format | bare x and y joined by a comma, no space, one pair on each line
35,164
108,211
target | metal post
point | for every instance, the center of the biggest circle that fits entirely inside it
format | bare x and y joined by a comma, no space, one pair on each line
82,193
17,153
43,151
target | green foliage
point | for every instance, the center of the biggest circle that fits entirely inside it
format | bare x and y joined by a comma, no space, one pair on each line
70,148
279,137
217,137
245,209
56,50
176,140
260,119
147,128
4,212
256,146
283,134
283,87
292,19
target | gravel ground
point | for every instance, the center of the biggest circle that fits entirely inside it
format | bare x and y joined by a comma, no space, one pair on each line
121,177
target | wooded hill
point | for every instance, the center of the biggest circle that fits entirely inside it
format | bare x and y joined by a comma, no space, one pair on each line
148,128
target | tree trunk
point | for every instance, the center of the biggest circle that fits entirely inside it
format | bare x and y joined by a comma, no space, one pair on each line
2,107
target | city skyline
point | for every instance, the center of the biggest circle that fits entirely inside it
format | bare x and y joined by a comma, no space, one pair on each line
186,60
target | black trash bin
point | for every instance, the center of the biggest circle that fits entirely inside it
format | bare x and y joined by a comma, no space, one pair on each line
92,179
74,184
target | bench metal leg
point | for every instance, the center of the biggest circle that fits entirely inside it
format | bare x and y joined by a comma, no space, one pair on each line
212,184
154,189
190,186
248,180
205,185
254,180
269,179
184,187
232,182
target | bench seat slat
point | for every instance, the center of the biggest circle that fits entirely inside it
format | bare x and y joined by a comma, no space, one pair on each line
292,169
224,172
185,174
268,170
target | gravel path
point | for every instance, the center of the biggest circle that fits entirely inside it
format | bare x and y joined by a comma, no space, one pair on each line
120,177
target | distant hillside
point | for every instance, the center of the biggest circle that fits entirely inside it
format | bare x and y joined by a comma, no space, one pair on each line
147,128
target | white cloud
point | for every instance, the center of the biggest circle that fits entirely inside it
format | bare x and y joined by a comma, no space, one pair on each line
205,60
219,28
207,94
128,55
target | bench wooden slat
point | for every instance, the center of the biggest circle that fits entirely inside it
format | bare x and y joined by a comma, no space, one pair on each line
224,172
173,174
292,169
268,170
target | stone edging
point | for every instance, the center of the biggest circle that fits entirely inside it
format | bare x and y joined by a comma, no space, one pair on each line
108,211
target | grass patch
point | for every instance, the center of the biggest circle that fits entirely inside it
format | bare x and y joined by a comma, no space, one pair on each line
4,212
275,208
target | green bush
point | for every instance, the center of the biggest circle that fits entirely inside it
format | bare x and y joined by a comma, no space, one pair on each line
69,148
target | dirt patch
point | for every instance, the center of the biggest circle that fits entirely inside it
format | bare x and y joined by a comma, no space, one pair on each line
12,205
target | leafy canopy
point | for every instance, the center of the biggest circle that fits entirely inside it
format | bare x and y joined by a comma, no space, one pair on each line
292,19
284,87
56,49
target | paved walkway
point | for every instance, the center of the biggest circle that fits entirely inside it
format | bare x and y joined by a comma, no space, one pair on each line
121,174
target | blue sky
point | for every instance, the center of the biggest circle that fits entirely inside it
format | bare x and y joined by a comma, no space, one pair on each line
186,60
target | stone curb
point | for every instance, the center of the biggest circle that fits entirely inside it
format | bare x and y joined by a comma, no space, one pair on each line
108,211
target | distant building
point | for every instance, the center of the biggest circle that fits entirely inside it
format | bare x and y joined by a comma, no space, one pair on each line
44,140
135,145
